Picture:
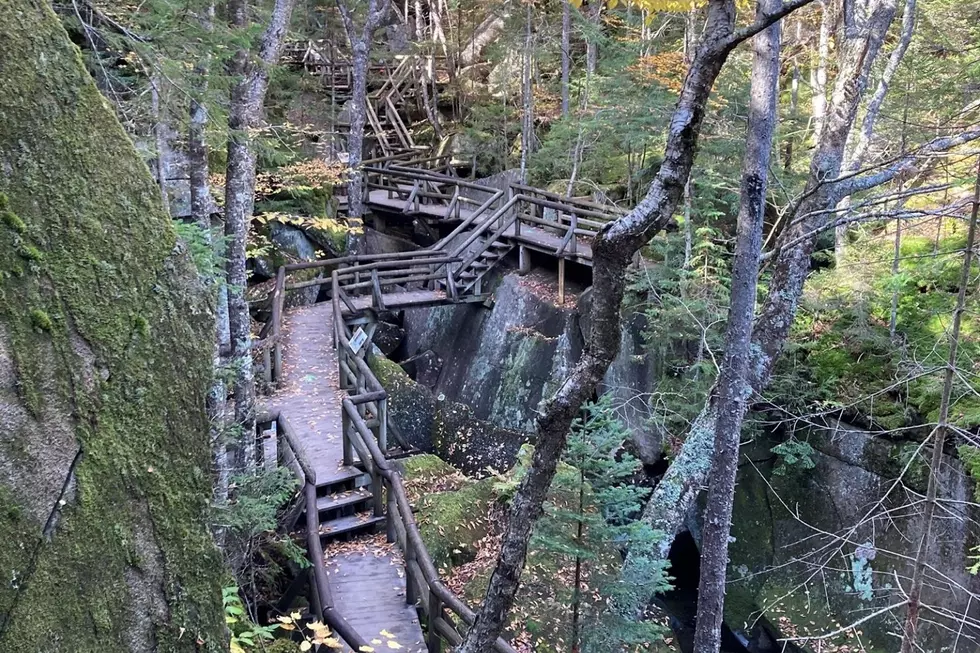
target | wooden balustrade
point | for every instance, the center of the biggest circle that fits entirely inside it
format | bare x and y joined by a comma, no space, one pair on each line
367,437
290,453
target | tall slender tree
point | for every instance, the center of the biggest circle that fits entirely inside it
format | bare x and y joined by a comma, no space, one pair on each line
733,389
245,112
940,434
377,13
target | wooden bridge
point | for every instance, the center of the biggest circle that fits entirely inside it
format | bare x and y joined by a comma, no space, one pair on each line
330,415
328,419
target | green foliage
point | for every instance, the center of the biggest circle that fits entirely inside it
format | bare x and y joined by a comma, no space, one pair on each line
793,454
245,634
202,248
40,320
841,356
257,499
685,309
596,522
13,221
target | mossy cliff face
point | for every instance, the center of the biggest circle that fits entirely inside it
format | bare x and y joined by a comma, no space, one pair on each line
502,362
447,428
787,558
104,364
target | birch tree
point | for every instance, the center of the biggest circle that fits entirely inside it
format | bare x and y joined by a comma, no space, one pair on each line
732,389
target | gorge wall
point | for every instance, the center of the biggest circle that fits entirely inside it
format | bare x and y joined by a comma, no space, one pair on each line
803,556
105,354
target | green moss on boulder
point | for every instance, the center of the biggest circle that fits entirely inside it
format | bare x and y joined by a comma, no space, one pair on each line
104,458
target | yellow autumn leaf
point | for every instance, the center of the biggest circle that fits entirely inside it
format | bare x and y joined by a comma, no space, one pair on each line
295,616
366,649
236,647
285,620
332,642
393,644
385,633
305,646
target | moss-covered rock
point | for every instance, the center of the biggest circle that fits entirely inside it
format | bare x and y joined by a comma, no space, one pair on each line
104,364
432,423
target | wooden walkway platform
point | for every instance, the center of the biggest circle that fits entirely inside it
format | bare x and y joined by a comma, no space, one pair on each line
536,238
368,581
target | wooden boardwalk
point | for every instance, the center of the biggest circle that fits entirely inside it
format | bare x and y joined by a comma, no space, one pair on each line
367,577
536,238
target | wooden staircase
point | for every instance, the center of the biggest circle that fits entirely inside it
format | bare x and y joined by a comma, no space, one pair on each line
346,506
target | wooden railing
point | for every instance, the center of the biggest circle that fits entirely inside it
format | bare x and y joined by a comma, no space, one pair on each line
290,454
364,414
365,429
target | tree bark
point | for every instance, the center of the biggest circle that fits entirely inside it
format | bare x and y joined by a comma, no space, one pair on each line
676,494
201,209
566,54
818,73
733,390
484,34
856,158
527,97
360,42
247,97
613,250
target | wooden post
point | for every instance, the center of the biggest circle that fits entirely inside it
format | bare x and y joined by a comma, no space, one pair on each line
573,243
561,281
432,640
524,260
267,364
345,433
277,362
390,532
377,489
383,426
411,596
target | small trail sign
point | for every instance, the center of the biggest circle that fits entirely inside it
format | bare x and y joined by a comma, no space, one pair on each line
357,340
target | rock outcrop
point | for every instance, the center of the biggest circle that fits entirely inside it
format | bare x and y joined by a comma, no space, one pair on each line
105,355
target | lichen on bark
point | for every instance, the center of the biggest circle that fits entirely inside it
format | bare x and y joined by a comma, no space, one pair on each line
104,366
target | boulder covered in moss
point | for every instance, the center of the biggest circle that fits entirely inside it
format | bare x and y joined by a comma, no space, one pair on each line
432,423
105,353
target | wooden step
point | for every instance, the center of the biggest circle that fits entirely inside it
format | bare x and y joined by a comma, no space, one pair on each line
342,499
337,481
348,525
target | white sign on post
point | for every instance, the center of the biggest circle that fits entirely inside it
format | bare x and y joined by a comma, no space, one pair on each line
357,340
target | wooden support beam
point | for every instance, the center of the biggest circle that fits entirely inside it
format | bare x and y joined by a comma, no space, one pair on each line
561,281
524,260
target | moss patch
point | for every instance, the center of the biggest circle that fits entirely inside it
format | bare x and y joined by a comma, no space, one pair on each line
131,565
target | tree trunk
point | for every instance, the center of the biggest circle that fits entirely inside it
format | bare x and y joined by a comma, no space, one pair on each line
733,389
527,98
566,53
856,159
818,73
613,250
201,208
360,42
676,494
484,34
592,47
358,118
247,97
